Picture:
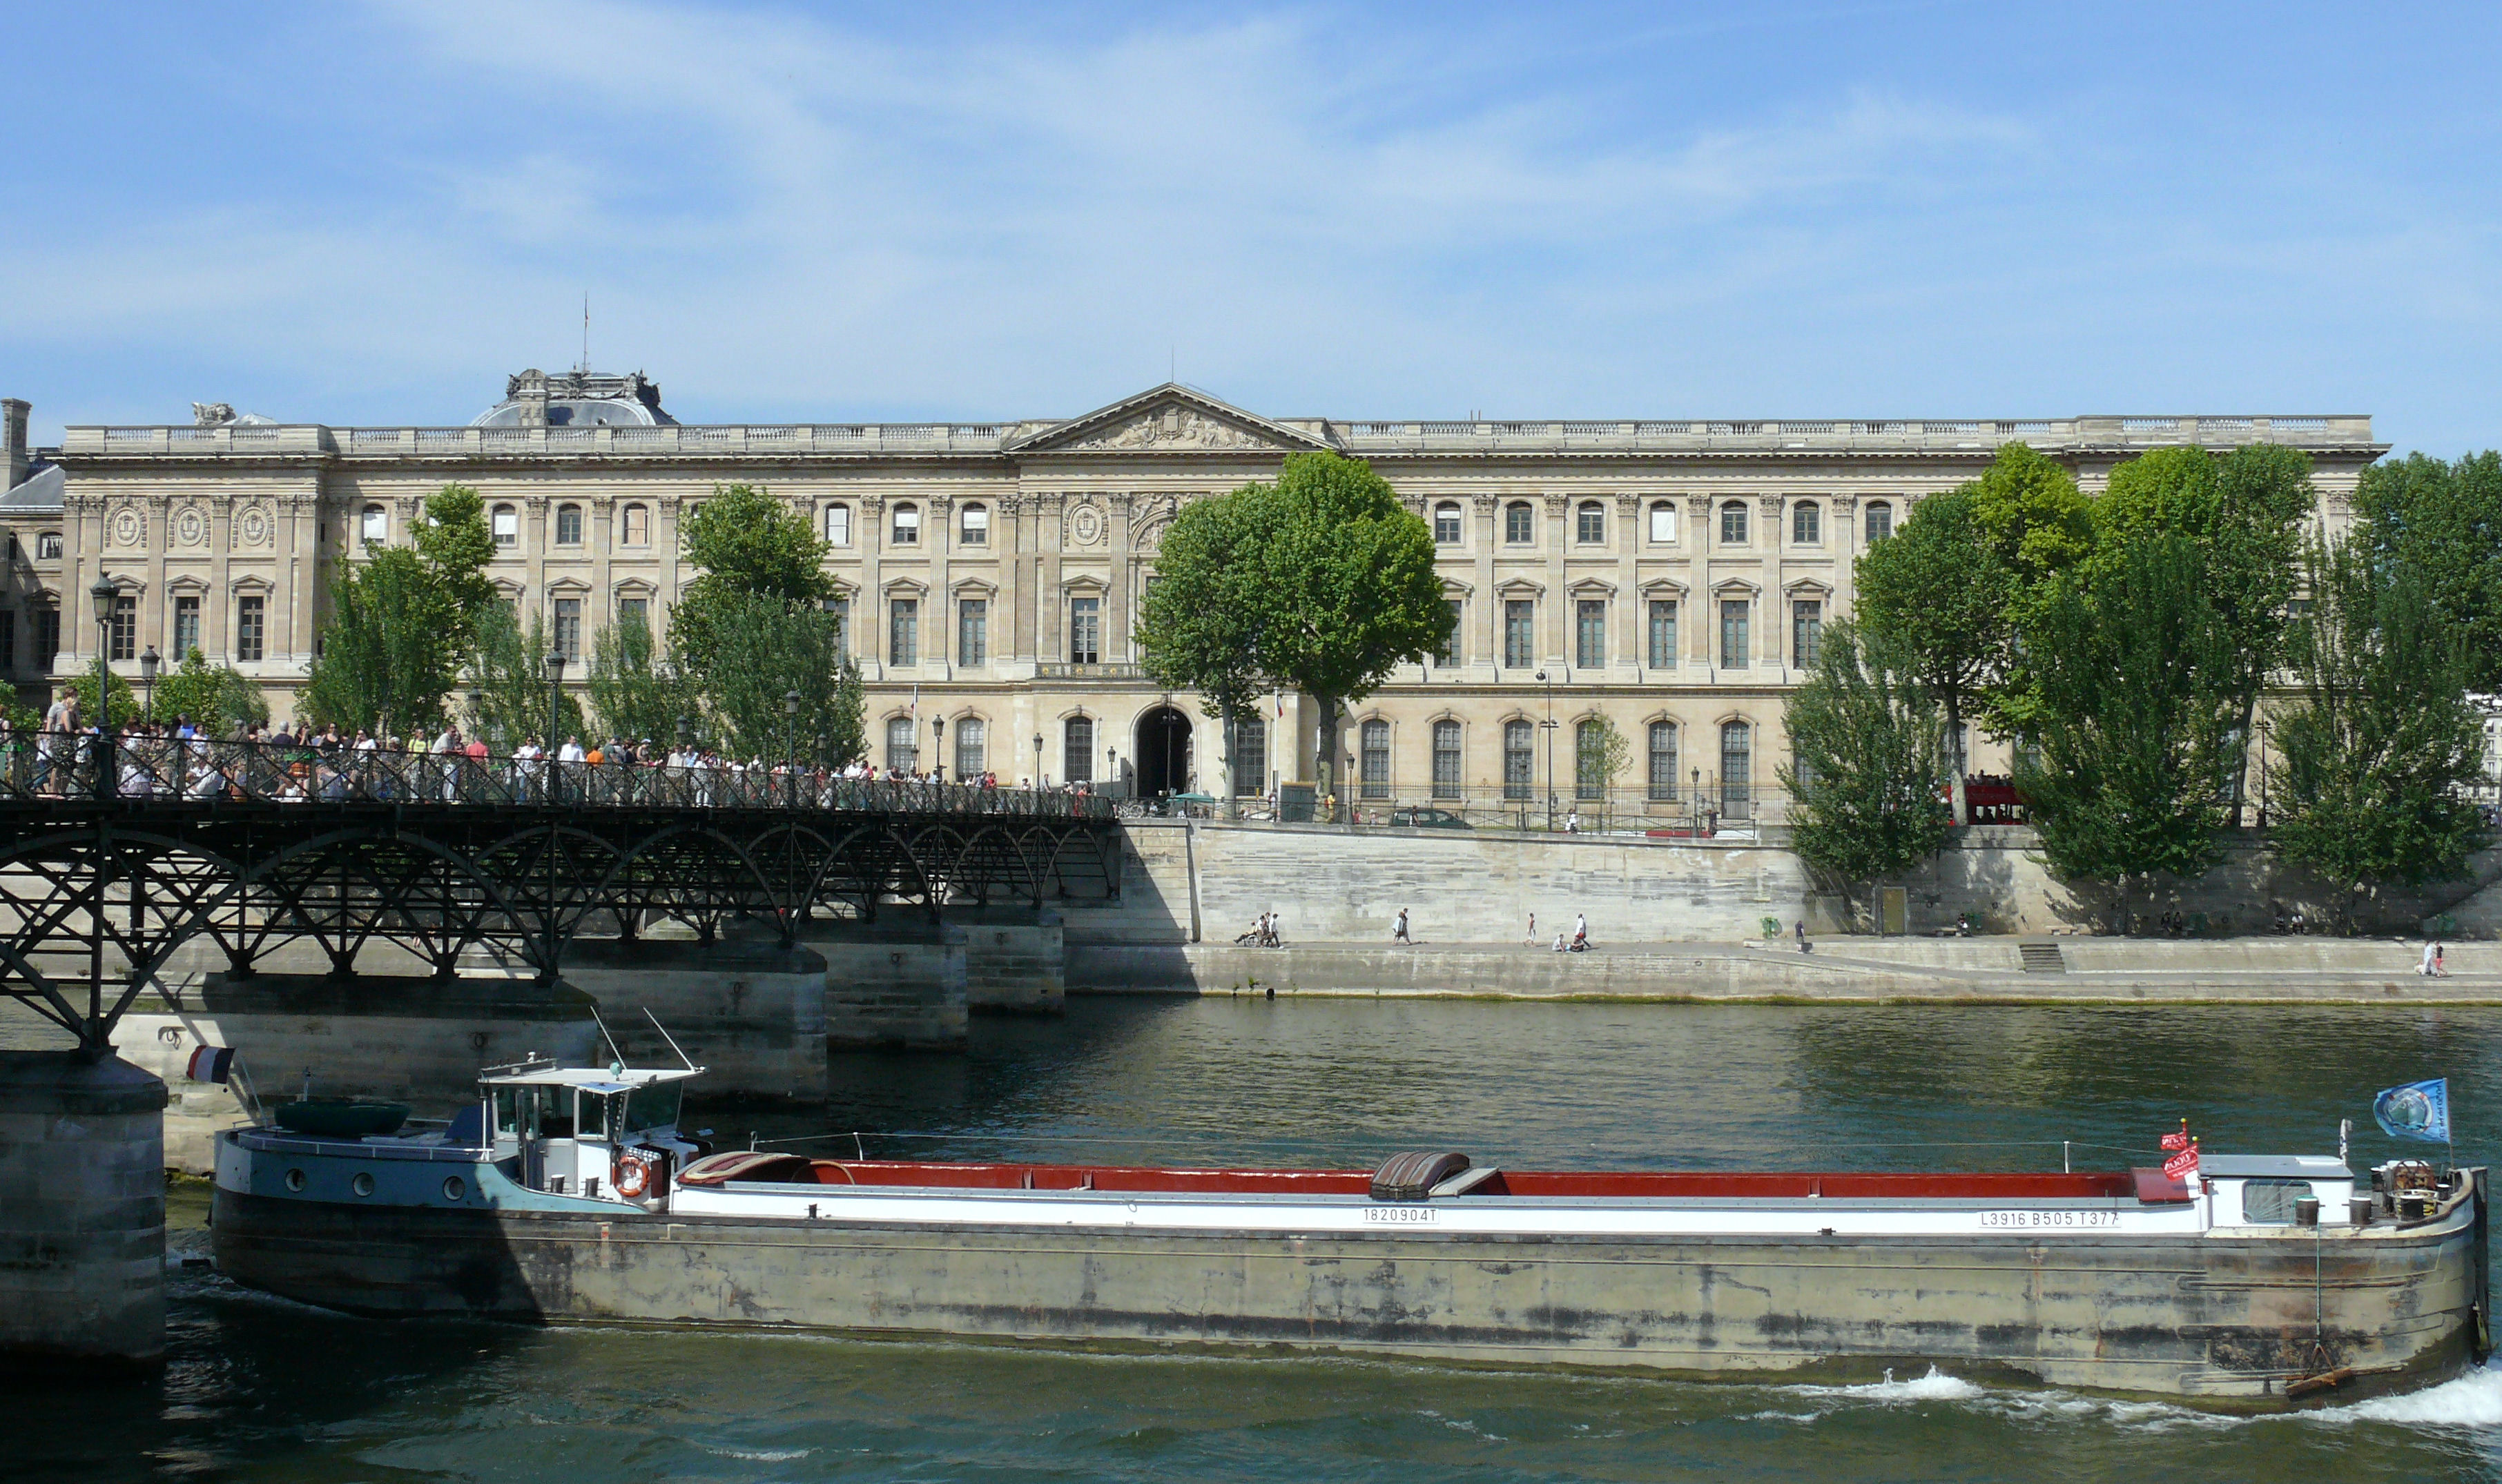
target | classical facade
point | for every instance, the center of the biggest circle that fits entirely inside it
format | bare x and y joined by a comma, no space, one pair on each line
1670,577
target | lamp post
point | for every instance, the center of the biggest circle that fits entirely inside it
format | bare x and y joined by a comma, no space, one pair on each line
104,592
1037,759
938,748
2265,729
147,663
1112,771
555,713
1548,726
790,742
1697,805
477,712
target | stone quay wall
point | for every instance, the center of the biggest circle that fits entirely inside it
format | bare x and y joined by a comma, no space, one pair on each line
81,1215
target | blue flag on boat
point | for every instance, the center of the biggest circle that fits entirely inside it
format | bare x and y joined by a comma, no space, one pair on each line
2416,1110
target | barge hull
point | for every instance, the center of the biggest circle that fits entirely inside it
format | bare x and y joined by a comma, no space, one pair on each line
2218,1321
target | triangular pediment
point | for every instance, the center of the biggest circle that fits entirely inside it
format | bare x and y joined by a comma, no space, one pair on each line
1171,418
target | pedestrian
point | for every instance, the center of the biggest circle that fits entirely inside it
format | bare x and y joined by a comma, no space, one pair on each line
1398,935
1805,946
1531,939
1580,929
2425,968
1572,822
2439,961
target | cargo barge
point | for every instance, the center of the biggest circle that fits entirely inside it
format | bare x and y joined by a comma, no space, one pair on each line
568,1194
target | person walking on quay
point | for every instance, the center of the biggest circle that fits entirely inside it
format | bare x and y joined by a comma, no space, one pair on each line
1532,940
1580,930
2425,968
2439,961
1805,946
1398,932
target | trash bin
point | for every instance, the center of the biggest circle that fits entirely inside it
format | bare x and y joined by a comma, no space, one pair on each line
1294,801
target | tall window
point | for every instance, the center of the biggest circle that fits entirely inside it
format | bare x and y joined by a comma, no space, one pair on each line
568,526
1375,757
634,526
7,639
1590,634
1880,520
1807,523
634,613
1077,750
1519,522
973,630
1449,652
1519,758
972,747
973,525
125,632
1737,767
903,743
48,545
1733,633
1663,760
1807,630
1662,521
1085,630
186,627
248,628
1250,755
1590,524
1446,523
506,523
1590,778
907,525
1519,635
48,636
568,627
1663,633
1446,760
373,525
1733,522
841,609
838,526
904,630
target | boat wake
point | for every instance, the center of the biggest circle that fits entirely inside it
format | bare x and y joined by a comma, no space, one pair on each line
2470,1400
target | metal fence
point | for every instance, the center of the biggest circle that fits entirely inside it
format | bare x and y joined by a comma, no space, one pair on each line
67,766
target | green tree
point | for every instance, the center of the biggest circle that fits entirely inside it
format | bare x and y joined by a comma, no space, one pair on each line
125,700
215,695
1933,597
1600,756
2244,515
2382,746
766,649
452,537
2444,522
742,542
2034,525
506,670
2132,719
636,693
1868,762
1346,588
1199,623
402,621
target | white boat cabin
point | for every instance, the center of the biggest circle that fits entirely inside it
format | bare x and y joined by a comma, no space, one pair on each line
568,1124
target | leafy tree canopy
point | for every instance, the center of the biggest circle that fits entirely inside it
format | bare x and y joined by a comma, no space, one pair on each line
215,695
637,693
509,701
767,650
743,543
403,620
2445,519
1934,602
1869,761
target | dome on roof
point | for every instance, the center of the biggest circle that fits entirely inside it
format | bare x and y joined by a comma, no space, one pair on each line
576,399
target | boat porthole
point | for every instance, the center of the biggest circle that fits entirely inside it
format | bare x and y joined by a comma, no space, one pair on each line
454,1189
295,1179
363,1184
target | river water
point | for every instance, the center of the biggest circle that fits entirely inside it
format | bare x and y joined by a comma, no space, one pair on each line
264,1390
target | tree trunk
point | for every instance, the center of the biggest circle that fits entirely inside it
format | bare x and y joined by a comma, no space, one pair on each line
1328,761
1955,759
2241,761
1232,766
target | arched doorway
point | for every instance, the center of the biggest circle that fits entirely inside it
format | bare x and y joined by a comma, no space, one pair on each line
1162,754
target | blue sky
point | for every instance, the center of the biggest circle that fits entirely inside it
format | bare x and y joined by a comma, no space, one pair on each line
372,213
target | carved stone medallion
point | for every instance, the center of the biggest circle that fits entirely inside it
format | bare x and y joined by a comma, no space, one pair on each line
252,527
127,528
191,527
1086,526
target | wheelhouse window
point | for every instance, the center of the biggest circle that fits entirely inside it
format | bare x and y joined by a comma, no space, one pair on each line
902,743
1446,523
505,520
1880,520
1519,522
1590,524
634,526
972,747
973,525
373,526
1733,645
1077,750
838,526
1590,634
2271,1202
568,526
1733,522
1807,523
1519,633
904,630
1519,758
1446,760
1085,630
249,614
1663,521
1663,762
1663,633
907,525
1375,757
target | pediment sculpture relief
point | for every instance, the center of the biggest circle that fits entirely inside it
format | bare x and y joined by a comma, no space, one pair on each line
1173,427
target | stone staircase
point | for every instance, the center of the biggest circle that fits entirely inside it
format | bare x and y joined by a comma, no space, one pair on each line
2042,957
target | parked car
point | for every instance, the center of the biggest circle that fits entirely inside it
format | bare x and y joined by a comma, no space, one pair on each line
1429,819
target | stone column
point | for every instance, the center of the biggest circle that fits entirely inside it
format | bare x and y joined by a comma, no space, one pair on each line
1557,639
1487,602
81,1214
1701,603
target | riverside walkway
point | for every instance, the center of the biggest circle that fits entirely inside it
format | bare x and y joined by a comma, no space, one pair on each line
115,852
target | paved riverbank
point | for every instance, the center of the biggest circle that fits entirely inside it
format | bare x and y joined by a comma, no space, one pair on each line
1980,970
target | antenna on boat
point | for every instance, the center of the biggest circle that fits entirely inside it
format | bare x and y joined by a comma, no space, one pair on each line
672,1040
611,1040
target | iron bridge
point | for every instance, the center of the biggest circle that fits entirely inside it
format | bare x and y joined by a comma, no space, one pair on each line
116,852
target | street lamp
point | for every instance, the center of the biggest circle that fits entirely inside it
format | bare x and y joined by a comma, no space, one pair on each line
477,712
790,740
147,663
104,592
1548,726
2265,727
938,748
555,714
1112,771
1037,759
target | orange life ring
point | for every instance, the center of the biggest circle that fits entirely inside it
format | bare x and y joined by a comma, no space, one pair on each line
632,1175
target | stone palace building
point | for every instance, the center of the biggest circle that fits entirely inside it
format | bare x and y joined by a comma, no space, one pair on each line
1670,577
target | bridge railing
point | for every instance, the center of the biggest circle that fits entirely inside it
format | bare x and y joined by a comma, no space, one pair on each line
55,766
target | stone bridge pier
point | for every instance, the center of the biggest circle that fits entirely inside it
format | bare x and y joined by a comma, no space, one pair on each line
81,1215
